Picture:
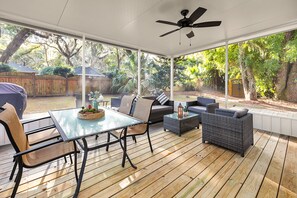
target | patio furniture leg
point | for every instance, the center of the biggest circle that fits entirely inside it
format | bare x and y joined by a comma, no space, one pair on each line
75,161
82,169
108,140
18,177
65,159
125,150
13,169
134,138
149,140
96,137
70,159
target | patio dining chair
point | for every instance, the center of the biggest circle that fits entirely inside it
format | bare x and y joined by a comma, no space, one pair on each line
142,111
125,107
30,156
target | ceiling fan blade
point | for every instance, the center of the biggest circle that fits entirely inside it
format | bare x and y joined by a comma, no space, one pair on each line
191,34
170,32
207,24
197,14
167,22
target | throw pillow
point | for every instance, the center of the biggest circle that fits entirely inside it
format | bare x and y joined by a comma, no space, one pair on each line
162,98
240,113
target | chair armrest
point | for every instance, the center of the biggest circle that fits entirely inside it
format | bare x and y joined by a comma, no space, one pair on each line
192,103
234,124
37,147
40,129
35,120
210,108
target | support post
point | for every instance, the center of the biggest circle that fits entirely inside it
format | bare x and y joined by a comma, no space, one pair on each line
139,73
171,77
226,75
83,77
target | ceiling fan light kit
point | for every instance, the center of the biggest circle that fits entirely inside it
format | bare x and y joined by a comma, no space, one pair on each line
186,25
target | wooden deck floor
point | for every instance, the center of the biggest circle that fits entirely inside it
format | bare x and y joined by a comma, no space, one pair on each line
179,167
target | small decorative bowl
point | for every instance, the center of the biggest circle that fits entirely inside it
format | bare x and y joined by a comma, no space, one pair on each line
91,115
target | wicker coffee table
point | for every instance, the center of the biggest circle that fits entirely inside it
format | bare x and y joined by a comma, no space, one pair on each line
180,125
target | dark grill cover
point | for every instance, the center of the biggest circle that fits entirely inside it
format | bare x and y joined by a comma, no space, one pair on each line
15,95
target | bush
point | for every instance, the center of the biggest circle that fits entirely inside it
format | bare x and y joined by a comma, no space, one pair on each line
63,71
6,68
58,70
47,71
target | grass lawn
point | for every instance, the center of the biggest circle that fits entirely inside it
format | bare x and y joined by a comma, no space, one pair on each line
44,104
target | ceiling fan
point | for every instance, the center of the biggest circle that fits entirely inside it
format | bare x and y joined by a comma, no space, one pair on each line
189,22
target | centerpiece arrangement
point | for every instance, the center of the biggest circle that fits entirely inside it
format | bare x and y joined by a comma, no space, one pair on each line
90,113
95,97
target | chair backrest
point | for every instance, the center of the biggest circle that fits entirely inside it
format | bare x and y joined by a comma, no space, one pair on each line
126,104
205,101
142,109
13,127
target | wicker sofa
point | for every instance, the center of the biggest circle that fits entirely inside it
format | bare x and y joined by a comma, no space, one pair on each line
226,129
158,110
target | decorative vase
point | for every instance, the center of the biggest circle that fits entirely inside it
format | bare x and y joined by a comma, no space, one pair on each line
95,104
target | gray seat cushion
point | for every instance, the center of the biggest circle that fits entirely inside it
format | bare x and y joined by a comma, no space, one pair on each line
161,108
197,109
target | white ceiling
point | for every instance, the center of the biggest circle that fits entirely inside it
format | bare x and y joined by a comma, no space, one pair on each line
131,23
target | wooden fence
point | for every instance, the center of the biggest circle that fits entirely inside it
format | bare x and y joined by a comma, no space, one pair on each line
50,85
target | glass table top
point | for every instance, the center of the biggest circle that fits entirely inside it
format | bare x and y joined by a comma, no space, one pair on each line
174,116
71,127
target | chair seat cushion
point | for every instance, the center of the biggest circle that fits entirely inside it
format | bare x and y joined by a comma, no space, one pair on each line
197,109
133,130
43,136
48,153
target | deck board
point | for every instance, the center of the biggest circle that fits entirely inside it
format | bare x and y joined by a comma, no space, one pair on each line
179,167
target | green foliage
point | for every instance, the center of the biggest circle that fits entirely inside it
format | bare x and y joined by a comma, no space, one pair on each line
47,71
58,70
63,71
291,50
6,68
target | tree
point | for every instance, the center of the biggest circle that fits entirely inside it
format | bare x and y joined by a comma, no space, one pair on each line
248,79
15,44
288,64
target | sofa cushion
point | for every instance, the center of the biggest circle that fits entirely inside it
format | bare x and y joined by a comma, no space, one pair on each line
197,109
205,101
161,108
162,98
240,113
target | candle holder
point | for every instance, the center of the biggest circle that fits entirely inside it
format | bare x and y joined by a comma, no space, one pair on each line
180,113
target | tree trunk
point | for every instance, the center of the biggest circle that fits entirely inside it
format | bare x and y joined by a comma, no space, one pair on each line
284,70
15,44
248,80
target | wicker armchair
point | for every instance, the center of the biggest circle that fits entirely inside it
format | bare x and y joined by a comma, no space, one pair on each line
226,130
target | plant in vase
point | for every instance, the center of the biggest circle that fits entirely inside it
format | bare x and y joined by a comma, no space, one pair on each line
95,97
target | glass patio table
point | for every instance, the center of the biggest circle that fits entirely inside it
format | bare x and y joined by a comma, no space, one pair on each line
74,129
